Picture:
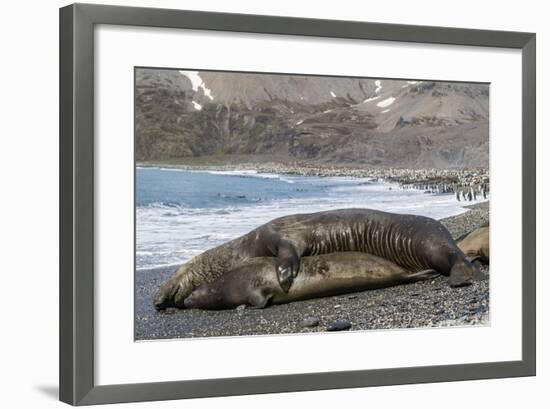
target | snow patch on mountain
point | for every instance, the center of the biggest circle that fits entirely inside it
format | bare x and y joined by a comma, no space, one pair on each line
371,99
386,103
207,92
197,82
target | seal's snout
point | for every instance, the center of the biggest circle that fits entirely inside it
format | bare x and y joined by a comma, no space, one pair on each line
164,297
161,302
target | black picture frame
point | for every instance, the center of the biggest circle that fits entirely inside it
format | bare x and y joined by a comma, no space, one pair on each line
77,21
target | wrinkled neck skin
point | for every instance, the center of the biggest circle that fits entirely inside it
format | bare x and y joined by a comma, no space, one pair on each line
413,242
443,263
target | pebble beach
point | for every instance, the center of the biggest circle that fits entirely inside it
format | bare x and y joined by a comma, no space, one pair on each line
424,304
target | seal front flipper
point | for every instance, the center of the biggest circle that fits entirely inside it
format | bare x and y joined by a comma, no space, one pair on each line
421,275
287,264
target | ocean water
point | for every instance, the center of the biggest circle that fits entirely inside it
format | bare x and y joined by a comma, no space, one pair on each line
181,213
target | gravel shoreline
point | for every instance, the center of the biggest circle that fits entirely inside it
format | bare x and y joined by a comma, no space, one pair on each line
425,304
397,175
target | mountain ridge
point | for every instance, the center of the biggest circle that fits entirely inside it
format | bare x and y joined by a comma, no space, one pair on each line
325,120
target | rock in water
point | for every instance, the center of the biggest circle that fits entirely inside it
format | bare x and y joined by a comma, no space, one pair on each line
339,325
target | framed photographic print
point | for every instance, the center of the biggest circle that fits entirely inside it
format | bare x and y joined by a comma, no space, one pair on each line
235,185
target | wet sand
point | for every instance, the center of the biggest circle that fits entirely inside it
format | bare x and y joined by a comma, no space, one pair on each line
425,304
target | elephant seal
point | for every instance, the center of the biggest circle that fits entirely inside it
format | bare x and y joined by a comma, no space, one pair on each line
414,242
476,244
255,282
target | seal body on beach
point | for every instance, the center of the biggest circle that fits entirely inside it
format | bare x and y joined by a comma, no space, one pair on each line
414,242
475,244
255,282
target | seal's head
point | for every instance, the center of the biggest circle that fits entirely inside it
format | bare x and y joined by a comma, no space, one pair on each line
249,284
463,272
164,297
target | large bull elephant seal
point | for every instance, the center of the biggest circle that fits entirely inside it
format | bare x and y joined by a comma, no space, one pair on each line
255,281
476,244
414,242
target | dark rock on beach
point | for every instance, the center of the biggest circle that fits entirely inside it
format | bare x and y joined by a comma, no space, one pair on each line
430,303
339,325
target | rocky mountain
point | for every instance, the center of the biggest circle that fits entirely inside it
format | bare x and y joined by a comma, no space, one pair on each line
333,120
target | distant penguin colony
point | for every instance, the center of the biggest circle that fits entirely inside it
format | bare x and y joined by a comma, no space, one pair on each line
466,187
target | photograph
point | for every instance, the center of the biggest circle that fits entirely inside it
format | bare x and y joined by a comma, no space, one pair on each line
284,203
255,204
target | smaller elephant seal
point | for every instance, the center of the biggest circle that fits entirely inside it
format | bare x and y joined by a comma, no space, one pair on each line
475,245
255,282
